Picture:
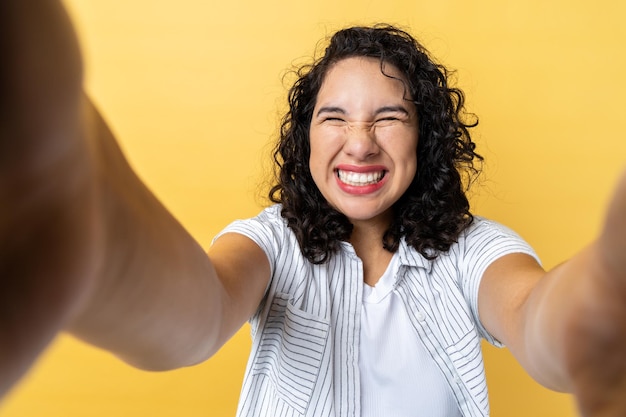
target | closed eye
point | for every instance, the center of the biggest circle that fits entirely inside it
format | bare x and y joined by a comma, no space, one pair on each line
392,114
389,120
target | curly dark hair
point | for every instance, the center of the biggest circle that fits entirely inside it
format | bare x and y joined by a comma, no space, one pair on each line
434,209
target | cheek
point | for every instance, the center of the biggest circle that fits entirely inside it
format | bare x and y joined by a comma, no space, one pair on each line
320,176
408,158
399,143
314,157
322,150
317,167
414,163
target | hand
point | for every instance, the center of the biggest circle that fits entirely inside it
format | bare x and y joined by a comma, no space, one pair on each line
48,231
597,335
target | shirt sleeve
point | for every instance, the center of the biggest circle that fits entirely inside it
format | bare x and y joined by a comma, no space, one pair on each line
267,230
480,245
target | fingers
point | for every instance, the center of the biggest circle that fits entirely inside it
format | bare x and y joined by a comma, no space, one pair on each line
41,82
47,202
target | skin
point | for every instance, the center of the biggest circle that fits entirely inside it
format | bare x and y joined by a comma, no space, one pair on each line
79,253
362,124
48,224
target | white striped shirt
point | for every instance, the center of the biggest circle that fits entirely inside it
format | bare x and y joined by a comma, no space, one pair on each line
305,356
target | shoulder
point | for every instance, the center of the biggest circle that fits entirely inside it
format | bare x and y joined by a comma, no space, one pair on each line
269,214
477,246
484,242
484,226
269,220
268,230
484,235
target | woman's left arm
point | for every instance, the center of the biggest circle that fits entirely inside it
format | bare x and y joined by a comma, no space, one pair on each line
567,327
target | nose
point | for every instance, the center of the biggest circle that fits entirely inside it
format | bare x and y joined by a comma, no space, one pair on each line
361,141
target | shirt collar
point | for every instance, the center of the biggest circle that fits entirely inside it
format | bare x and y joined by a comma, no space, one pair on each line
407,255
410,257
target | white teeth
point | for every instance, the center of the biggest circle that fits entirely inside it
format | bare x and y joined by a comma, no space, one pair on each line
356,178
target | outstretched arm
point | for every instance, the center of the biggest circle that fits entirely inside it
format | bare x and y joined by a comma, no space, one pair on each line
84,245
48,227
567,327
594,341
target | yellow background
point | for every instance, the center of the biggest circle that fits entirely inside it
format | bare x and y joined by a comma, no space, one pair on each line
193,90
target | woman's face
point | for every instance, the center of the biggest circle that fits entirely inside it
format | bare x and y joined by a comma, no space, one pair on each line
363,136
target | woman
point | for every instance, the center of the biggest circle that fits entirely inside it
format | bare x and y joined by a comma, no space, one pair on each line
370,187
372,247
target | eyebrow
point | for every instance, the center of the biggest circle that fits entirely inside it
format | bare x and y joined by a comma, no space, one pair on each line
384,109
330,109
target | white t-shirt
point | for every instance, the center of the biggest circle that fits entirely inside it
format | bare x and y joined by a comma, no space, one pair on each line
306,333
398,376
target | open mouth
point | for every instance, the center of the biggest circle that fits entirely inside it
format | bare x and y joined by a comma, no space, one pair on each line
359,179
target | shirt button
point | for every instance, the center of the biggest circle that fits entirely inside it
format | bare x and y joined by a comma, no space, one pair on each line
421,317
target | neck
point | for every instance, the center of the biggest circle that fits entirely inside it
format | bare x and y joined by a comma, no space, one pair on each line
367,240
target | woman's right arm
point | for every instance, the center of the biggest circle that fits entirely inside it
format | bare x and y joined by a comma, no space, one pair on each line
160,302
84,245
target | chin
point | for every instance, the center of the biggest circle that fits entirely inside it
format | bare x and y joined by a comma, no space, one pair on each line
360,215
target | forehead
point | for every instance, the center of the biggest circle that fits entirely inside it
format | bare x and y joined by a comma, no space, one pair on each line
363,75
